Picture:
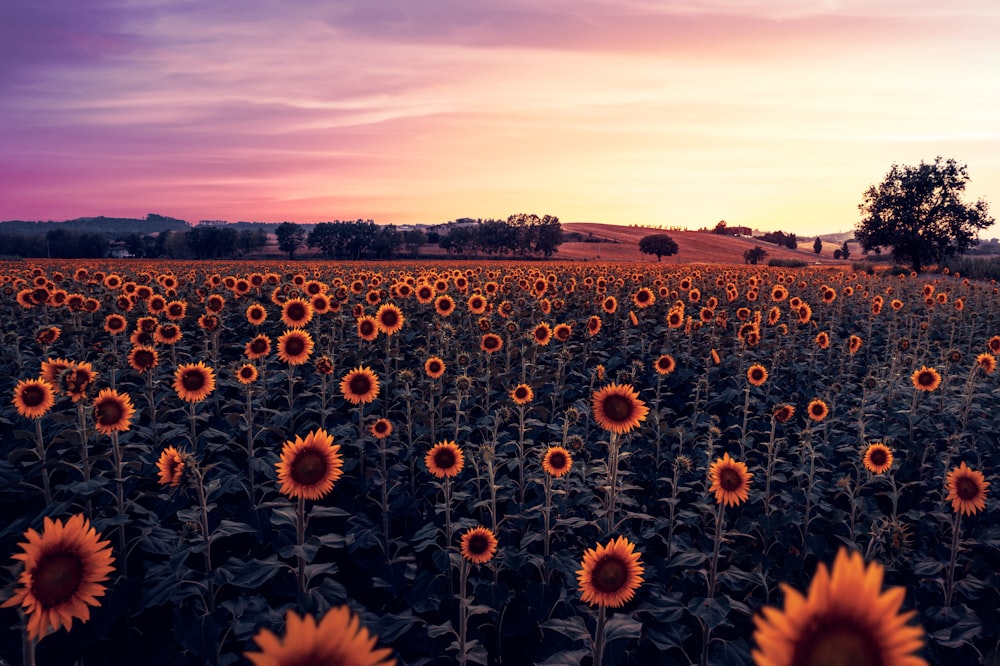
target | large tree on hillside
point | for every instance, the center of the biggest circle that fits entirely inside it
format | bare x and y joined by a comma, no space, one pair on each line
918,212
661,245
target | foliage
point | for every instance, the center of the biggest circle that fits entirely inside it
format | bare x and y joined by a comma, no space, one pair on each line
918,212
521,235
661,245
818,245
787,263
755,255
202,566
780,238
291,237
362,239
978,268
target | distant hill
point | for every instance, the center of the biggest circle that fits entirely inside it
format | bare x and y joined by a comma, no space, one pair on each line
106,226
622,244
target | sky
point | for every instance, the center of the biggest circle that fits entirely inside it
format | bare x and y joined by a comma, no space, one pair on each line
772,114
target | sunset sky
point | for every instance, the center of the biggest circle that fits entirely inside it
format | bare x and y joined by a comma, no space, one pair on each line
771,114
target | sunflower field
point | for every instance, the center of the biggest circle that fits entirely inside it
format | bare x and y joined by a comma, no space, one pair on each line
516,463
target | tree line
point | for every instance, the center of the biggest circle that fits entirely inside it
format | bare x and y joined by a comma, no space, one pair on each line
519,236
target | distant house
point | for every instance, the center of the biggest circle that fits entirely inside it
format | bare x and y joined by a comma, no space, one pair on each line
740,231
119,250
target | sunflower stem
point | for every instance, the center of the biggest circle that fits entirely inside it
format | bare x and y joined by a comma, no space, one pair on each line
520,454
40,442
600,635
547,513
949,587
713,571
248,416
463,610
300,537
199,476
119,491
191,417
613,446
28,646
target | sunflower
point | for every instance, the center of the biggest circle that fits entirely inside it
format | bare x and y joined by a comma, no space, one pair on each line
360,385
171,467
246,374
193,382
610,574
324,365
445,459
367,328
542,334
339,638
479,545
295,346
643,298
167,334
966,490
854,344
594,325
562,332
76,380
817,409
491,343
33,398
757,374
381,429
47,335
309,467
52,368
665,364
730,481
64,568
617,408
994,344
256,314
113,411
845,619
987,363
925,379
175,310
877,458
444,305
296,312
783,413
434,367
522,394
115,324
389,319
142,359
557,461
477,304
258,348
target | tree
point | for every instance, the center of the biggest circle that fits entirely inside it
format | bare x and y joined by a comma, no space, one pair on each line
755,256
290,238
917,211
661,245
720,228
817,245
845,252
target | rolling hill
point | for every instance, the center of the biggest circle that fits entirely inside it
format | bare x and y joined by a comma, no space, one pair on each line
622,244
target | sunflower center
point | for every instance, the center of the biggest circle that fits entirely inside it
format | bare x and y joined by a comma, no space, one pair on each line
258,346
730,479
360,385
296,311
434,367
878,457
308,468
557,460
966,489
609,575
389,319
642,296
478,544
367,328
521,393
33,396
490,343
193,380
143,359
109,412
56,578
294,346
381,427
837,642
445,459
617,408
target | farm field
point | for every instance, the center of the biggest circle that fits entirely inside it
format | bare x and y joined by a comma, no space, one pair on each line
501,463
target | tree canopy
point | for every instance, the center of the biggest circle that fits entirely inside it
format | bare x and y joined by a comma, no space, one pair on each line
918,212
661,245
755,256
290,237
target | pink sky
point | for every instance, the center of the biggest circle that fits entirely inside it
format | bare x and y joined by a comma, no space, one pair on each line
774,115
